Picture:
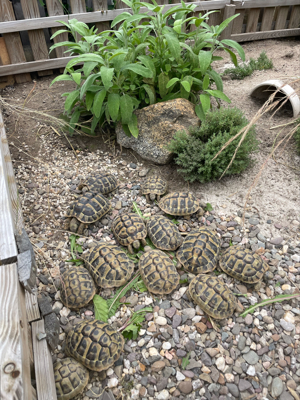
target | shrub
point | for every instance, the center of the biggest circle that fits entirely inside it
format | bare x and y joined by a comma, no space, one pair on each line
241,71
194,152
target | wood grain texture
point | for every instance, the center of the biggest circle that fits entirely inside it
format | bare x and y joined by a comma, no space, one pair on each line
99,5
32,307
252,20
15,380
265,3
13,40
5,60
267,19
229,11
215,18
246,37
36,38
44,373
237,25
281,18
55,8
295,18
78,6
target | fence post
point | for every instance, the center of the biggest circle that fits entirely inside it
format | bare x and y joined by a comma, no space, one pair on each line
229,11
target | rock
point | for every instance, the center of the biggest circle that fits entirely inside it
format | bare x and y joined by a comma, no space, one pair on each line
220,363
233,389
244,385
241,343
277,387
185,387
157,125
162,384
190,312
132,300
163,395
273,371
180,376
143,172
113,382
170,312
253,221
158,366
287,326
277,241
161,321
251,357
201,327
176,321
248,319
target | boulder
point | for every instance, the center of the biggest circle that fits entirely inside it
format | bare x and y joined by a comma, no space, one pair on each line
157,125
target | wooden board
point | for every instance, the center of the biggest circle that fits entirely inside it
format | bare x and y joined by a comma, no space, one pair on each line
101,5
215,18
267,19
8,249
78,6
54,7
282,17
229,11
263,3
5,60
32,307
43,366
252,20
13,40
295,18
246,37
237,26
37,38
15,380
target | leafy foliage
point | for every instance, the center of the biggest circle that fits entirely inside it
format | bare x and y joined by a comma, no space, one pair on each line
297,134
146,60
194,152
208,207
185,361
133,325
101,308
247,69
75,248
140,286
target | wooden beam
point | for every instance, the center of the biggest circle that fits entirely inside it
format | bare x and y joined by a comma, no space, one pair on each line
295,17
266,3
15,380
252,20
282,17
267,19
32,307
92,17
5,60
237,26
44,374
246,37
101,5
55,8
229,11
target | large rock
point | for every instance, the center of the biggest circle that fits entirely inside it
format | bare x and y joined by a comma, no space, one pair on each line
157,125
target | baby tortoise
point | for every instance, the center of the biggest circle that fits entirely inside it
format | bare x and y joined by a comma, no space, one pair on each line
158,272
163,233
109,265
129,230
94,344
154,187
70,378
103,183
212,296
243,264
200,251
179,203
86,210
77,288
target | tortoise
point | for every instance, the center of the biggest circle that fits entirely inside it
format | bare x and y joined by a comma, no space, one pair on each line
163,233
154,187
70,378
212,296
243,264
78,288
158,272
179,203
109,265
95,344
199,251
86,210
129,230
103,183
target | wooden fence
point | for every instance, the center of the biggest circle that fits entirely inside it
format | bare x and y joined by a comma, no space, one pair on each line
22,355
257,20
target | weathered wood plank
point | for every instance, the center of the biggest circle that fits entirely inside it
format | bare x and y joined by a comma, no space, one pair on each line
246,37
92,17
229,11
36,38
15,380
266,3
295,17
282,17
43,364
215,18
5,60
32,307
267,19
78,6
237,26
101,5
55,8
13,40
252,20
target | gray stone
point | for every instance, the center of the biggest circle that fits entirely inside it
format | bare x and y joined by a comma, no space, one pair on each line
162,384
194,364
236,329
241,343
170,312
190,312
251,357
287,326
277,241
205,358
244,385
273,371
165,305
277,387
176,321
157,125
133,300
233,389
253,221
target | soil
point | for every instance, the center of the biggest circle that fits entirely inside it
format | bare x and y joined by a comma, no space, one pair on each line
275,197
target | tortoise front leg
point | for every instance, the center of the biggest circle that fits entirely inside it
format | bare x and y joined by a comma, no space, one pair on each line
73,225
81,228
67,224
130,249
144,242
158,197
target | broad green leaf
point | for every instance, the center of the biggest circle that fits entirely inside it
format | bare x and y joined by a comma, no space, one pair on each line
64,77
173,45
171,82
120,18
205,82
147,61
151,93
84,58
88,68
76,77
232,56
101,308
236,46
131,332
139,69
204,60
186,85
225,23
185,361
89,98
94,123
106,76
87,84
199,111
205,102
133,126
113,103
137,209
71,98
58,33
163,80
126,108
98,101
114,303
74,119
216,77
126,130
219,95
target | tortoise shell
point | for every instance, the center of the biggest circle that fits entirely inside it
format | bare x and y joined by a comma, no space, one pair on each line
77,288
94,344
89,208
179,203
101,183
243,264
70,378
163,233
128,227
199,251
108,265
154,185
158,272
212,296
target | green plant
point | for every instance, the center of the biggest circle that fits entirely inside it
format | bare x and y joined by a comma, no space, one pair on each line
143,62
194,152
247,69
208,207
75,248
185,361
297,134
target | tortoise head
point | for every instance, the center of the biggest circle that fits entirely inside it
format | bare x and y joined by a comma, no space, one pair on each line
152,196
136,244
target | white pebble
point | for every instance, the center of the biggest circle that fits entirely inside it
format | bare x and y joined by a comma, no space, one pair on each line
127,364
229,378
113,382
180,376
251,371
148,301
196,319
57,304
109,372
166,346
163,395
141,342
65,312
289,317
220,363
161,321
142,332
153,351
